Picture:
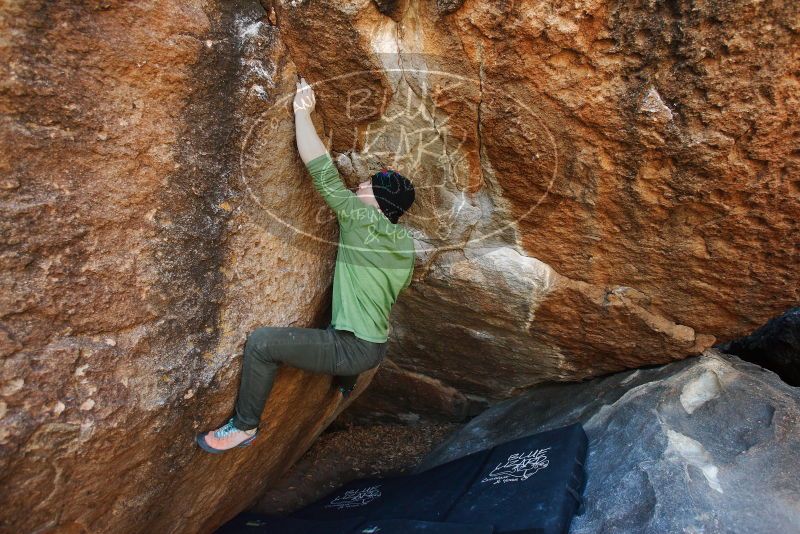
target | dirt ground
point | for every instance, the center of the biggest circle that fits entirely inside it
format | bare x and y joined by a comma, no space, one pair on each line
339,456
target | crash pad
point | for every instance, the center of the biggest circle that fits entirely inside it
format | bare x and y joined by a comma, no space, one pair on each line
531,484
356,498
426,496
430,494
410,526
250,523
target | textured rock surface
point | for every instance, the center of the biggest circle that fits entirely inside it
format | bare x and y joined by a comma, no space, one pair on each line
706,444
141,158
600,186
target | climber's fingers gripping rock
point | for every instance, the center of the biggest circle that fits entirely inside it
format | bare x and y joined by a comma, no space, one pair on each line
304,99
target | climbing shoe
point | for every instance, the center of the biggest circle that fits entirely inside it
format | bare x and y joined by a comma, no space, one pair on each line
225,438
345,384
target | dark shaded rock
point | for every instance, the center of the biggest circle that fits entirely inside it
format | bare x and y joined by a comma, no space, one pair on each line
776,346
400,396
706,444
446,7
392,8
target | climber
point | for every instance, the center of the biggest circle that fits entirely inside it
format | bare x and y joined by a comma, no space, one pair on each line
374,262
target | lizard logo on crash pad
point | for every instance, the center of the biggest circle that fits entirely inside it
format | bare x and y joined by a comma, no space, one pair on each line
519,466
354,498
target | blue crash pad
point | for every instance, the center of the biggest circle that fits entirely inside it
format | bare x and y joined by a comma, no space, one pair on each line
410,526
358,498
249,523
425,496
429,495
531,484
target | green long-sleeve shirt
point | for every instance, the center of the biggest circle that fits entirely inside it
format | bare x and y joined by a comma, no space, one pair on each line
374,261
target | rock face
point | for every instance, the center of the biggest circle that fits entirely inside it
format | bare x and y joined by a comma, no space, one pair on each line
706,444
600,186
142,160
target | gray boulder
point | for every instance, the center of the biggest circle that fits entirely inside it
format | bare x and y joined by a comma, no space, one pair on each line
708,444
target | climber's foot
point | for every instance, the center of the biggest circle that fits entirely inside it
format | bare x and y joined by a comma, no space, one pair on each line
345,384
226,437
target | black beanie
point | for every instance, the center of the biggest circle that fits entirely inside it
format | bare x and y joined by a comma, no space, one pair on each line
394,193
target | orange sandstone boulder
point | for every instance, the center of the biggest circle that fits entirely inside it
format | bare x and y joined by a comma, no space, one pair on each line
600,186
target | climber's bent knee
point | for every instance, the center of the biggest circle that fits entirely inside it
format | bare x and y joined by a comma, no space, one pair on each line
259,341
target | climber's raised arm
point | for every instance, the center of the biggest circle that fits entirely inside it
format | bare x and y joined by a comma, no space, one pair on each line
308,142
319,163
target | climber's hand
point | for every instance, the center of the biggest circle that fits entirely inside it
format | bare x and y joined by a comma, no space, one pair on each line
304,99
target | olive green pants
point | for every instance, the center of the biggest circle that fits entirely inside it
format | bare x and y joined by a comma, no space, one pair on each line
329,351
